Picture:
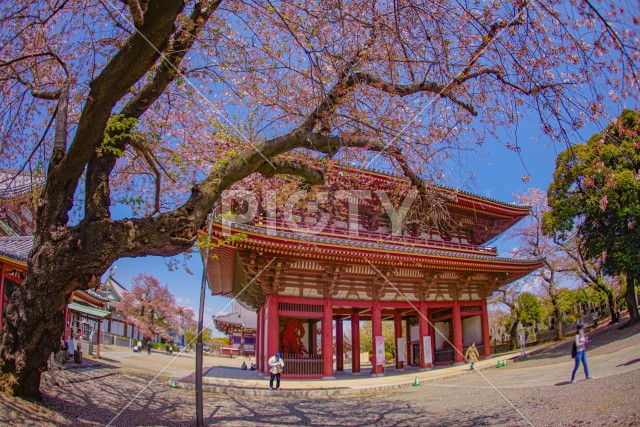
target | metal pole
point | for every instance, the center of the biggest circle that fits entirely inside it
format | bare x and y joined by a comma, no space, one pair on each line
203,285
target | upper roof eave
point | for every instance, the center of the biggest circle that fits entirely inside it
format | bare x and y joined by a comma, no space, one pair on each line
523,209
16,247
356,244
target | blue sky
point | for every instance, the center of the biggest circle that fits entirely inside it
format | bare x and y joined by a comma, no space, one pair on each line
498,174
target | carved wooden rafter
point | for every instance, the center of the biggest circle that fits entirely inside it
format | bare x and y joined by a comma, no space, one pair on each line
327,287
380,285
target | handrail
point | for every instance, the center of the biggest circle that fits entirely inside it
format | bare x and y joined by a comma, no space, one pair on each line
382,237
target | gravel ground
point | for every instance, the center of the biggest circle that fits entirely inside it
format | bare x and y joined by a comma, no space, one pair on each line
606,401
610,400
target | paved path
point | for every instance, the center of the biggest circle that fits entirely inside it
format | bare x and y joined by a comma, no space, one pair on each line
551,365
514,376
235,381
534,391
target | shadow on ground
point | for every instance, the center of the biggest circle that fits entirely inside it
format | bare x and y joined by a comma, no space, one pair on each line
160,405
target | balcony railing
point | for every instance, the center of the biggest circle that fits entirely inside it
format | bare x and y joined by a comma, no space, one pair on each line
302,365
377,236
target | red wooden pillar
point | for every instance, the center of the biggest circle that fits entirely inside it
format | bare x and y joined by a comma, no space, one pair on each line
410,360
1,296
263,332
397,328
257,346
423,326
272,329
67,323
486,339
457,332
376,331
327,340
355,342
263,339
339,345
313,336
432,333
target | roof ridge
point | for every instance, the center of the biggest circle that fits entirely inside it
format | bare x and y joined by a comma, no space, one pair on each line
363,244
17,237
442,186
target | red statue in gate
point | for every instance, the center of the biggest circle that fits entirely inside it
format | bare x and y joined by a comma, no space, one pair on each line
292,336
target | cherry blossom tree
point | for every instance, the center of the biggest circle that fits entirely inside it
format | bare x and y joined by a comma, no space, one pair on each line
164,104
151,308
533,242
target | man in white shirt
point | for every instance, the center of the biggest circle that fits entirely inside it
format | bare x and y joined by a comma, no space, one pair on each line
276,365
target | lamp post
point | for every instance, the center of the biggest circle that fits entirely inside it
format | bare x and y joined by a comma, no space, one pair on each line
199,349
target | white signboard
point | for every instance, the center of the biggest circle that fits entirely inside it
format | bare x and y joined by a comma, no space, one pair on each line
426,343
401,350
380,360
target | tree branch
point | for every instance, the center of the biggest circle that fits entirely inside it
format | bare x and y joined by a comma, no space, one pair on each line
289,167
99,168
130,64
136,12
495,31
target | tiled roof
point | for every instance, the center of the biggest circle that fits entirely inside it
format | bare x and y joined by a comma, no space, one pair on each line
14,183
97,294
239,316
113,289
371,245
441,186
6,230
17,248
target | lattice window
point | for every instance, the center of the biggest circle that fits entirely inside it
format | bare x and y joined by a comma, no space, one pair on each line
306,308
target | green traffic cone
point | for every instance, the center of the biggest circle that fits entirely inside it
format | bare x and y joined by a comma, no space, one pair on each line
174,383
498,364
415,382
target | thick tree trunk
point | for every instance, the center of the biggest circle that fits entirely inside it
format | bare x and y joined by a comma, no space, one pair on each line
513,334
559,329
611,302
558,314
632,306
34,324
35,314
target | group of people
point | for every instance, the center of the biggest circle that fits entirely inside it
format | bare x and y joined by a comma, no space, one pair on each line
276,364
578,352
244,366
138,347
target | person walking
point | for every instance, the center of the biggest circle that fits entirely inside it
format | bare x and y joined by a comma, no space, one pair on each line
149,347
276,365
472,355
580,343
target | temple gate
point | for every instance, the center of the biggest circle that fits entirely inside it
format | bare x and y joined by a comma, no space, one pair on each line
432,281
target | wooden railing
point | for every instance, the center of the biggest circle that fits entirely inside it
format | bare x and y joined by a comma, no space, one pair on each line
309,308
382,237
302,365
446,355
